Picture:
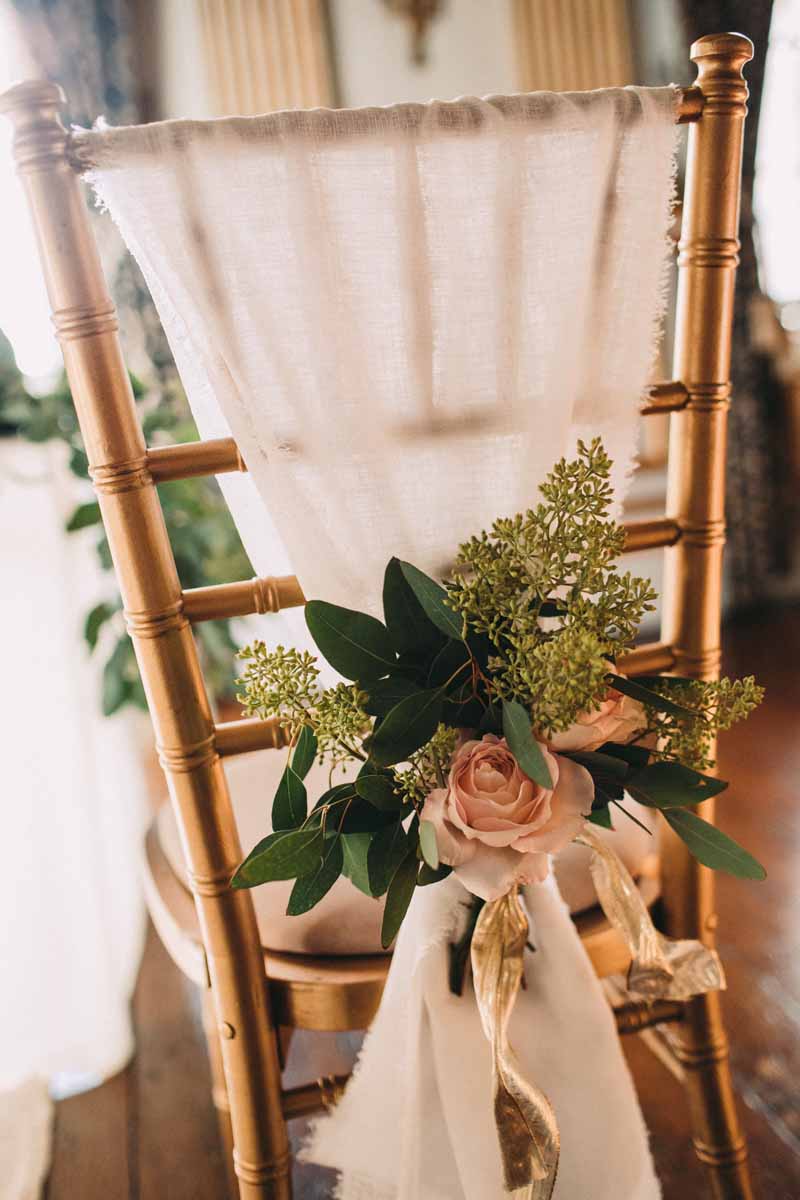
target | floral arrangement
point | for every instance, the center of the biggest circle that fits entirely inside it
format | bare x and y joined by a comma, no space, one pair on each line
485,720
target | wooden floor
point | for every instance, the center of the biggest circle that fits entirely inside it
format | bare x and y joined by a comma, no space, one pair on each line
150,1133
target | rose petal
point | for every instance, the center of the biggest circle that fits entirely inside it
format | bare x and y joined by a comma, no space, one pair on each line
492,871
453,847
571,801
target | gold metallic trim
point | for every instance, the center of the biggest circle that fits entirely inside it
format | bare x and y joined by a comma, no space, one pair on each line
241,737
217,456
260,595
651,535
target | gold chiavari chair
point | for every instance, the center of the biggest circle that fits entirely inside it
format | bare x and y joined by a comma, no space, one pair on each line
253,996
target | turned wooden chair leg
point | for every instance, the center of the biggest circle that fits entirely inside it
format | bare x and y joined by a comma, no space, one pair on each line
702,1048
219,1091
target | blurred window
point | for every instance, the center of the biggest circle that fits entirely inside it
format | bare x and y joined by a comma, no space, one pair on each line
776,199
24,311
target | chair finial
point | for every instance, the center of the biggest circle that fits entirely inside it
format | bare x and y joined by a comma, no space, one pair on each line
734,46
33,108
720,58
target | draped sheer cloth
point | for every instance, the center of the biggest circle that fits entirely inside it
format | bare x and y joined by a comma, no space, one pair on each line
404,316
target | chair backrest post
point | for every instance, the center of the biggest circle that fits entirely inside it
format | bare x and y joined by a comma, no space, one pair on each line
708,257
86,325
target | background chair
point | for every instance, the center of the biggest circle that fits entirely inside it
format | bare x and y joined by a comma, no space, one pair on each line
253,993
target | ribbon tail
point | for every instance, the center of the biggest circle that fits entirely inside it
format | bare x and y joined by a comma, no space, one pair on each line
661,968
524,1118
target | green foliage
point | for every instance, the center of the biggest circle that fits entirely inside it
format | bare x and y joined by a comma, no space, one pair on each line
206,545
434,601
311,887
704,708
284,683
525,748
558,557
356,645
712,847
398,897
281,856
407,727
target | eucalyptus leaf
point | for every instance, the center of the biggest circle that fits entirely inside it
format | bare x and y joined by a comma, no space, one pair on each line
304,751
712,847
281,856
384,694
634,756
387,849
309,889
428,844
355,847
427,876
672,785
631,816
398,898
355,644
379,791
360,816
598,763
601,817
452,659
290,803
523,745
491,721
637,691
409,725
408,624
432,596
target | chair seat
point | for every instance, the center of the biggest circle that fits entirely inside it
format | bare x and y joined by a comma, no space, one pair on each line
326,967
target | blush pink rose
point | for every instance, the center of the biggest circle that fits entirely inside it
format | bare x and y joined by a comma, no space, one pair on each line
495,826
617,719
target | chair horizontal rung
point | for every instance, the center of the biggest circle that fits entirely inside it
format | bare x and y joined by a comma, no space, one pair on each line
636,1015
689,106
651,535
187,459
310,1098
648,659
241,737
268,594
665,398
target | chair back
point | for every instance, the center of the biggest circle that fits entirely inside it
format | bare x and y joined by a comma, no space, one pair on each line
160,614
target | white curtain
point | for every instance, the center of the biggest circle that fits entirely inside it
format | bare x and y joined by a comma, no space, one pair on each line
404,316
74,802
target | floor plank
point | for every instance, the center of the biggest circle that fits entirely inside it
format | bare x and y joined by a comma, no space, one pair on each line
92,1144
150,1133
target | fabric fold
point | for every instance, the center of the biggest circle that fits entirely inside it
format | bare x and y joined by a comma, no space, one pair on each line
417,1120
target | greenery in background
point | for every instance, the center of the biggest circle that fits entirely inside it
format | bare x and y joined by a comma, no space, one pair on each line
204,540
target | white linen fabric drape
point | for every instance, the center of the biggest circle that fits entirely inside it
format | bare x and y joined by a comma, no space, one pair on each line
404,316
417,1118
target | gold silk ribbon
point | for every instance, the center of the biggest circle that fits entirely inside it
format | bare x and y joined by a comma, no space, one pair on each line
660,968
525,1121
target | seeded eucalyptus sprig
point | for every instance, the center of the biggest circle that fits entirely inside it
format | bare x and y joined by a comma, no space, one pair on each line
709,707
545,588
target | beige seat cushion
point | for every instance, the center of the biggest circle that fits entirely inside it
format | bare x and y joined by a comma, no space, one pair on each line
347,921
